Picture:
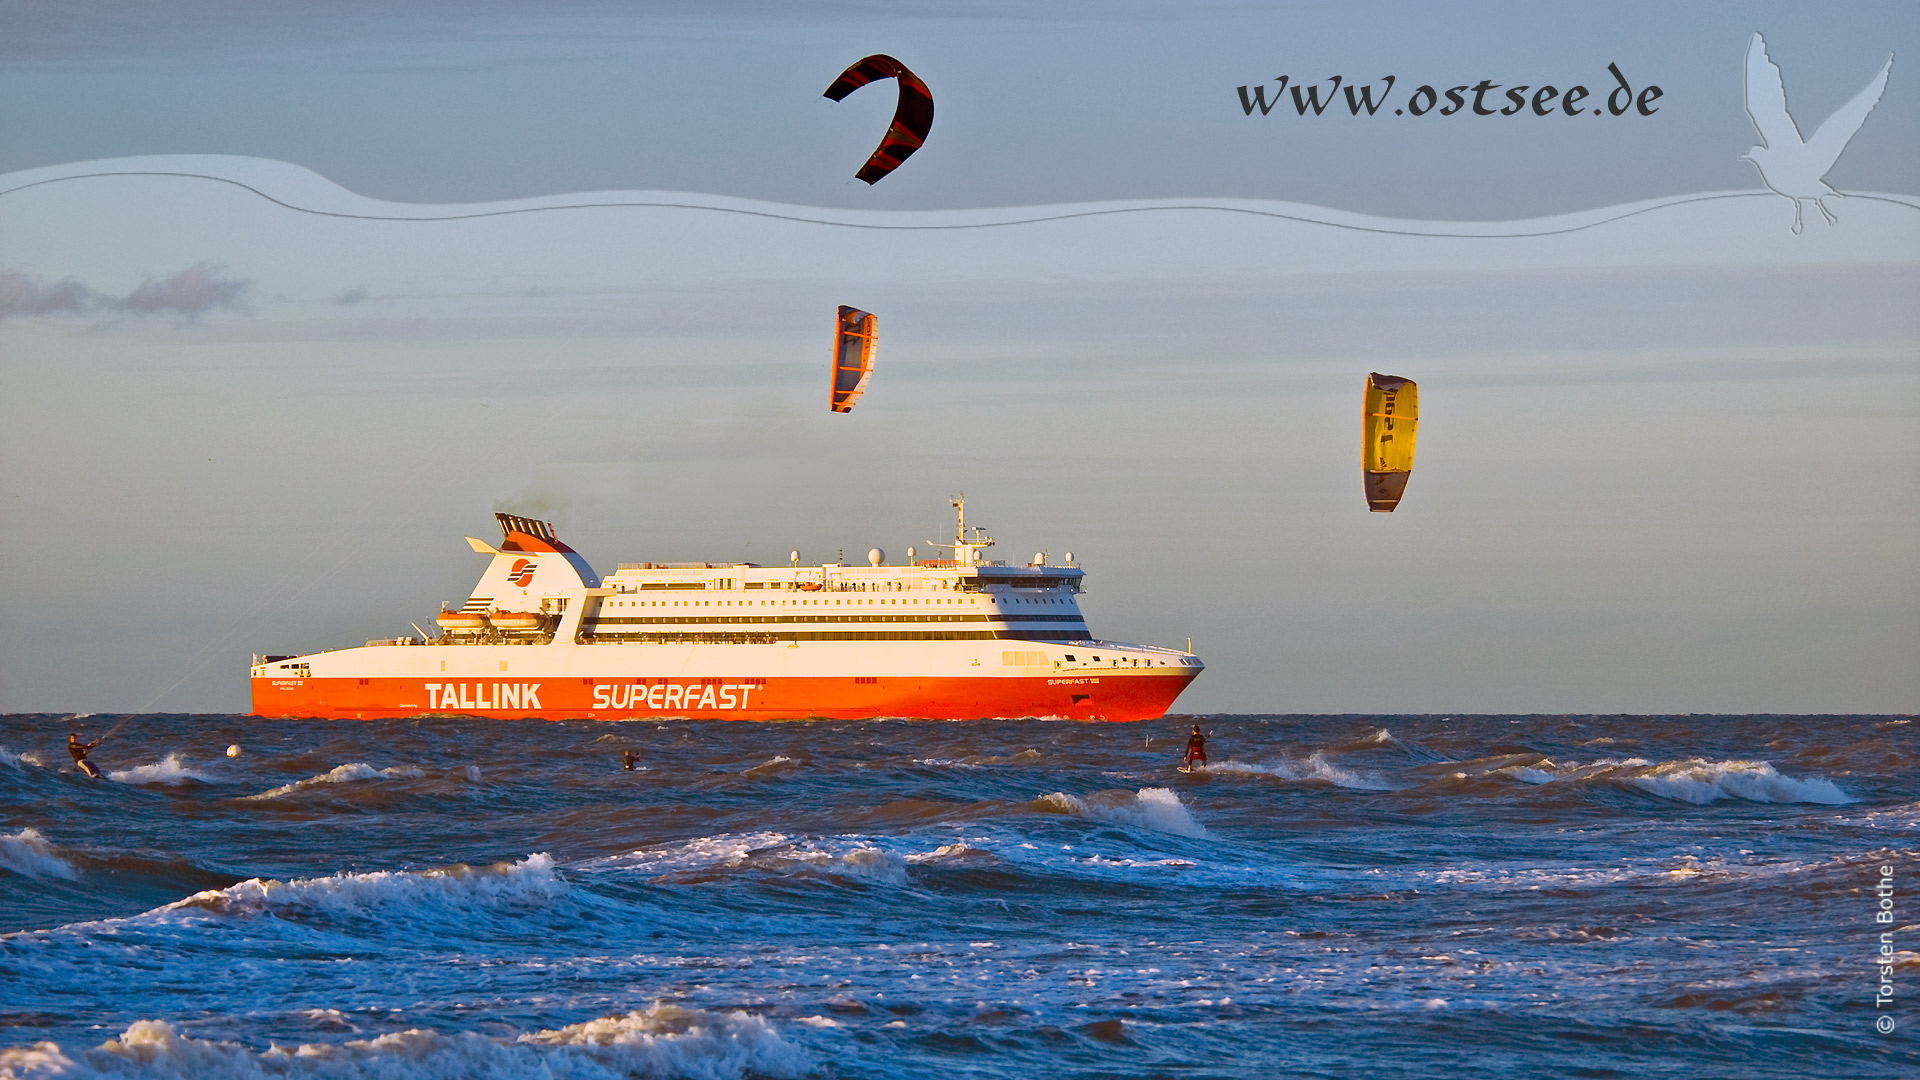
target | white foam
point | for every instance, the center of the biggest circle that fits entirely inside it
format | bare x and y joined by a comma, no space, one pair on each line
1314,767
700,853
1527,775
171,769
42,1059
1700,781
28,853
532,878
340,774
662,1041
1153,808
873,864
9,758
774,764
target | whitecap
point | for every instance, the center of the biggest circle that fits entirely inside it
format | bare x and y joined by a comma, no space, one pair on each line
532,878
1700,781
664,1040
770,767
699,853
873,864
1314,767
339,774
171,769
1153,808
29,854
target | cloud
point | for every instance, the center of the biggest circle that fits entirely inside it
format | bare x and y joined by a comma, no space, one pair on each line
190,293
22,295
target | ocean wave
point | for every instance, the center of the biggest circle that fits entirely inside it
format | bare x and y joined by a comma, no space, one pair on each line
1153,808
662,1041
29,854
689,856
707,857
1314,767
1700,781
171,769
358,770
26,758
458,886
773,766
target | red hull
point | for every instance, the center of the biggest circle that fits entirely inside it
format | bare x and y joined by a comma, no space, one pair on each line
1114,694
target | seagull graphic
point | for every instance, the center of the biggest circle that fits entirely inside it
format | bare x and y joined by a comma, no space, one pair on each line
1789,165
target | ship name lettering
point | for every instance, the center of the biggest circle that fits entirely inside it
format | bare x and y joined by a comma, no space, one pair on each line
483,696
670,696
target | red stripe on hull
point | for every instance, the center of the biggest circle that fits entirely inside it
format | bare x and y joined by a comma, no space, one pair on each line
1116,694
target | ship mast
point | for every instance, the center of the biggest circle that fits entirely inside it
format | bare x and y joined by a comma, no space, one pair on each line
966,552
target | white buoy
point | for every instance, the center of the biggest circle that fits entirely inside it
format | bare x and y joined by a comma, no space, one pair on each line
234,750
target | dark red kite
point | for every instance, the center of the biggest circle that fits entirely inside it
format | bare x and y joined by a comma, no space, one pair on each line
911,120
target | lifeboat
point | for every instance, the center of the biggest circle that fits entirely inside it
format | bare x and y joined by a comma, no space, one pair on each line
516,622
461,622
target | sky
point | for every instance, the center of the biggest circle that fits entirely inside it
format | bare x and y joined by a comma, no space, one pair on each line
1669,453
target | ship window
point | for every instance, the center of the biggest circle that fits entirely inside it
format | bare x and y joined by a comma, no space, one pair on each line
1070,657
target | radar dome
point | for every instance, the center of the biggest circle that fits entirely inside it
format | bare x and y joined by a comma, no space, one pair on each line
909,554
1069,558
875,557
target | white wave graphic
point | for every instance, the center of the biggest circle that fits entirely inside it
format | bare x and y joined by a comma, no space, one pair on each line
1699,781
340,774
1314,767
1154,808
662,1041
28,854
172,769
303,191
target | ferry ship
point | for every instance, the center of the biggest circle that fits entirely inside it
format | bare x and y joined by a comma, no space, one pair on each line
543,636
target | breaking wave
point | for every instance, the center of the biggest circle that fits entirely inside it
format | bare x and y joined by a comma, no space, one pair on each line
711,857
171,769
29,854
13,760
1153,808
1314,767
358,770
661,1041
1699,781
453,887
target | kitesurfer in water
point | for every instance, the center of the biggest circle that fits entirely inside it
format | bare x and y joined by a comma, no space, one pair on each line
1196,748
628,758
79,751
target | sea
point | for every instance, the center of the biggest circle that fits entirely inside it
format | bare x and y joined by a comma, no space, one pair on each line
1331,896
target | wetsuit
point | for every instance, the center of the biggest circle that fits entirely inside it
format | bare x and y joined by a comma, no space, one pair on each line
1196,749
79,751
629,758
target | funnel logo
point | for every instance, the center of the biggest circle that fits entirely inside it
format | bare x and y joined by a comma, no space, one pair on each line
522,572
1792,166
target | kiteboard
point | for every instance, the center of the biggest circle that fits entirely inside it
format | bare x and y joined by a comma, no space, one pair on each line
90,769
